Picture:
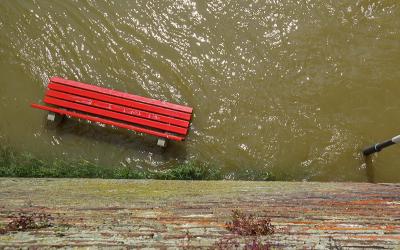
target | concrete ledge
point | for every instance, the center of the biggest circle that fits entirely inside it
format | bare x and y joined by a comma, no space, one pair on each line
163,214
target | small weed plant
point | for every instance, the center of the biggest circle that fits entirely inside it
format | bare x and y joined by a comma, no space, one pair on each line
249,225
24,222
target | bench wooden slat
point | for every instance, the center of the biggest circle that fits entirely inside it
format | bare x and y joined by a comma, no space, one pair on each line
115,115
122,95
120,101
116,108
108,122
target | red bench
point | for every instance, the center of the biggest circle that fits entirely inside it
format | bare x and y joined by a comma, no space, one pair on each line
162,119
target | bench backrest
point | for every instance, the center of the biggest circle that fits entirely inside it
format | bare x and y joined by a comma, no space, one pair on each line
111,104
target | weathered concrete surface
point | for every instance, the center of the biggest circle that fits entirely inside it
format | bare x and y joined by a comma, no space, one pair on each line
184,214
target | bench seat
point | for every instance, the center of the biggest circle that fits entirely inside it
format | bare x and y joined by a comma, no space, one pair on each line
111,107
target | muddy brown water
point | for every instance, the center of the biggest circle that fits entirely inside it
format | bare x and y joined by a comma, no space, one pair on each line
296,88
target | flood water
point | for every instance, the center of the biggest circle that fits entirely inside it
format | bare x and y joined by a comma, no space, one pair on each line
296,88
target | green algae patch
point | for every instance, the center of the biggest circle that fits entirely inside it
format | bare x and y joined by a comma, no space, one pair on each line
22,164
15,164
188,171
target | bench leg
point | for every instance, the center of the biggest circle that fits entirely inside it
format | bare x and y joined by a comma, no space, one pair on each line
162,142
55,118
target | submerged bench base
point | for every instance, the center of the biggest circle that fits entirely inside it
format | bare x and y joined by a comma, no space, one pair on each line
162,142
55,118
